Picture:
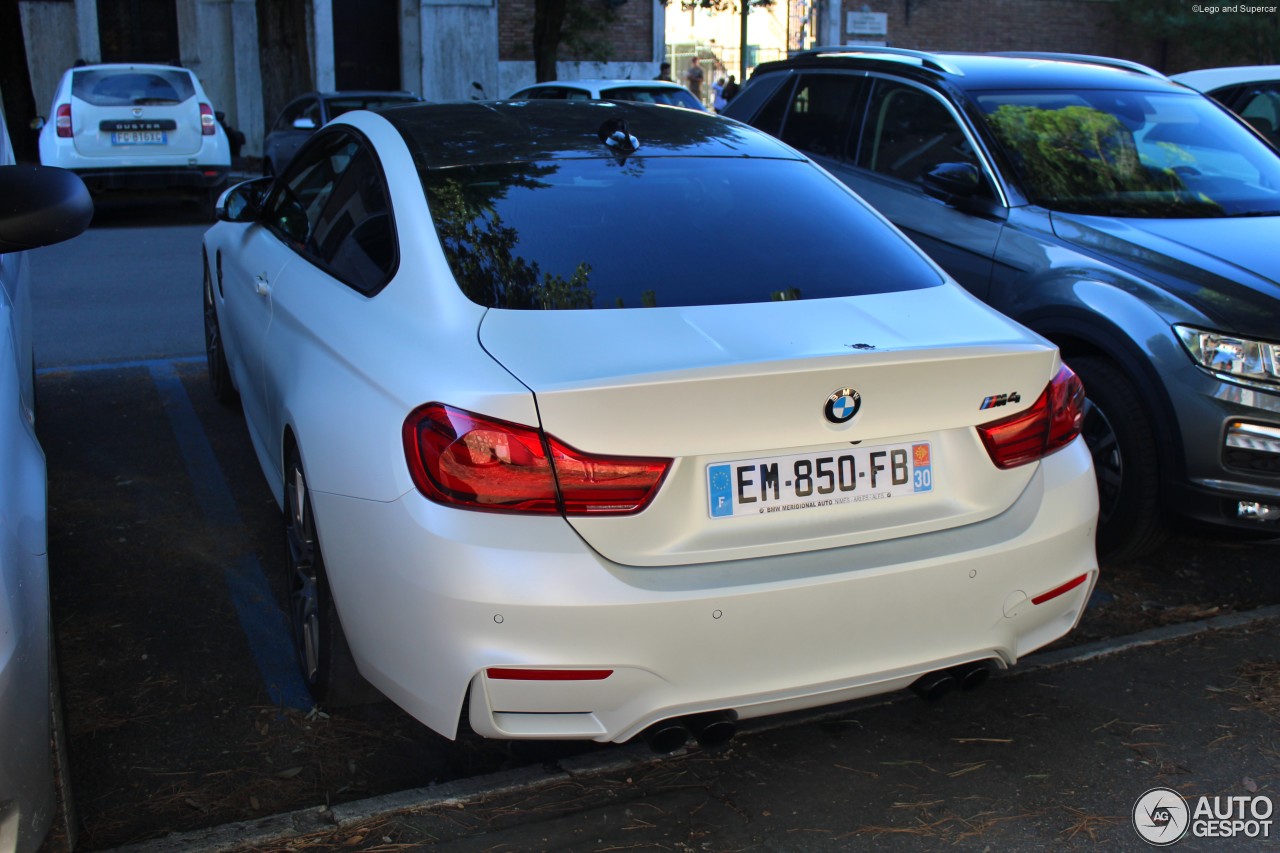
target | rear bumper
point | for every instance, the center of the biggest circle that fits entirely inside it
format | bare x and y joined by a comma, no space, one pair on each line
430,598
154,178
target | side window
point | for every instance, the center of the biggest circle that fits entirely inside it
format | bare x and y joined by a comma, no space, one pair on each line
747,103
293,209
354,236
770,118
907,132
291,112
313,112
1260,106
818,118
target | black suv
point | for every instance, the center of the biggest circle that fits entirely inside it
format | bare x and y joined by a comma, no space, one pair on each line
1130,220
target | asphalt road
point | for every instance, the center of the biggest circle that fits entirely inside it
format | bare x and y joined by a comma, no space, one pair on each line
167,570
122,290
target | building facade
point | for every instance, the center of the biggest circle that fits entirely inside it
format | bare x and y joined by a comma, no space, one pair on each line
460,49
441,49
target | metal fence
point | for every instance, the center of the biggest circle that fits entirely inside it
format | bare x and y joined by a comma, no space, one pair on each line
717,61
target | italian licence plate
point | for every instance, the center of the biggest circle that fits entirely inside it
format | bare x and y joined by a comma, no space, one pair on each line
138,137
811,481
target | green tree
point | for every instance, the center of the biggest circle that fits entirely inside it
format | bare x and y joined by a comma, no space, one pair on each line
1213,39
1081,159
482,251
282,54
575,24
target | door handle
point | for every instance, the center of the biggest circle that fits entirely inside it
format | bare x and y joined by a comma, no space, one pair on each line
261,285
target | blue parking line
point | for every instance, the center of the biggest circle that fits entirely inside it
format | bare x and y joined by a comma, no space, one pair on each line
260,617
117,365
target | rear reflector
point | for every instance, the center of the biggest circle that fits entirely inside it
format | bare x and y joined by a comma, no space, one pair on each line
465,460
1060,590
1050,424
62,121
509,674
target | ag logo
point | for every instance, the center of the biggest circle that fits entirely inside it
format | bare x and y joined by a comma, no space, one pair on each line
1161,816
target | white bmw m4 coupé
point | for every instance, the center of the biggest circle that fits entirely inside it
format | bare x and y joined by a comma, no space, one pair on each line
588,419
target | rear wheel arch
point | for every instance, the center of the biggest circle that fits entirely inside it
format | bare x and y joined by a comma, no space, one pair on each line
328,667
1085,334
1133,459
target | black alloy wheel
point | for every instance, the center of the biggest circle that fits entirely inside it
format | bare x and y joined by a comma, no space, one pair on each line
1118,432
323,656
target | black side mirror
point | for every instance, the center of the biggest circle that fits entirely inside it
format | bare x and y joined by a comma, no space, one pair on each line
950,181
42,205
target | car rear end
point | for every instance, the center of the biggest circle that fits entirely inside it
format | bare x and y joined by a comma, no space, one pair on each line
136,127
791,468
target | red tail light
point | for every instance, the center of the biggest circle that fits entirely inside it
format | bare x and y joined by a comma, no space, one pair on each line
206,120
461,459
1053,422
62,121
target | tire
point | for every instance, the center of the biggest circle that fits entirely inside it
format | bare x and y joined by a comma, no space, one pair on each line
325,659
1118,431
215,356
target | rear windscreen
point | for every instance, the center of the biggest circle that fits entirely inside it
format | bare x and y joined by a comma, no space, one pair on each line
338,106
662,231
131,87
653,95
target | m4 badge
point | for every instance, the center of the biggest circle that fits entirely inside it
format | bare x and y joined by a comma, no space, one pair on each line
1001,400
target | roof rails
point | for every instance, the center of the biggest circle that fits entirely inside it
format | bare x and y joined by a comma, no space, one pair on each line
926,60
1106,61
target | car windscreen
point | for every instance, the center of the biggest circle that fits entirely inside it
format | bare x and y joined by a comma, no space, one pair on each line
1139,154
662,231
110,87
668,95
338,106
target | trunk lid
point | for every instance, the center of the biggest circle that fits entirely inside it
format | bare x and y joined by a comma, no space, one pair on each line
135,111
746,386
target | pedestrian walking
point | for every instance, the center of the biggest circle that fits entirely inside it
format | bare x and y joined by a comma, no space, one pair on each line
664,72
730,89
718,100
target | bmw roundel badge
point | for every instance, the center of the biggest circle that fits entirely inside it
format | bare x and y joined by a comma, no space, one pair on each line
842,405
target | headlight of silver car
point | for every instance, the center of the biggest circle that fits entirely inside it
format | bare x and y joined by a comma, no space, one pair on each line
1232,356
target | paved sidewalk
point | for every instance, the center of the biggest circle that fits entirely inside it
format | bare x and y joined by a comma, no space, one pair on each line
1050,756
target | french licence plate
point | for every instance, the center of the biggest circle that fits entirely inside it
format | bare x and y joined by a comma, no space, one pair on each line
138,137
810,481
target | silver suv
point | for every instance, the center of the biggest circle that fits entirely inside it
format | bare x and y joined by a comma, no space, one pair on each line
137,127
1130,220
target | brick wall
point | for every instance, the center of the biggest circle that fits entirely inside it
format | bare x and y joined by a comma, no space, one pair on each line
1070,26
628,39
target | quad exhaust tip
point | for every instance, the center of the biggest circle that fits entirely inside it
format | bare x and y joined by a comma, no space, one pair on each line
712,730
932,686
